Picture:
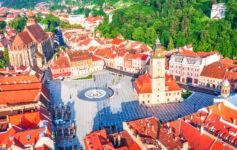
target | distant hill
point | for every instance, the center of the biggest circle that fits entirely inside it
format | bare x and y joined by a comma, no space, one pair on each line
178,23
18,4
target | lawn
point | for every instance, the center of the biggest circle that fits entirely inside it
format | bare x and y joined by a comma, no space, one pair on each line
84,78
186,94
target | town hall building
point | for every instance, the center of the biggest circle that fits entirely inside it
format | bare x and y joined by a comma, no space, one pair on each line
156,86
32,47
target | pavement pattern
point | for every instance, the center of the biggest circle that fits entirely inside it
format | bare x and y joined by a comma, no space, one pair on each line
122,106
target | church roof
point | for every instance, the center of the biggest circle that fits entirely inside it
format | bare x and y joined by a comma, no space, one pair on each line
37,32
32,33
22,39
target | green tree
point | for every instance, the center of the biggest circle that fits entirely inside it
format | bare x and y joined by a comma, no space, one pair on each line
6,56
150,35
2,63
171,44
19,24
138,34
3,24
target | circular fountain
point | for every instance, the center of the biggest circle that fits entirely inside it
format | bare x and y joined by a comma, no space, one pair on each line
95,94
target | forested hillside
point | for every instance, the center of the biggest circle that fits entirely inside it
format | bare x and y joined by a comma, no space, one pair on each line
18,4
178,22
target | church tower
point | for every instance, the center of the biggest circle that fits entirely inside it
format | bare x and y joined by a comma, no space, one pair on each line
157,73
225,89
31,18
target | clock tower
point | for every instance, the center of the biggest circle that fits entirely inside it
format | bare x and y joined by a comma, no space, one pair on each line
157,73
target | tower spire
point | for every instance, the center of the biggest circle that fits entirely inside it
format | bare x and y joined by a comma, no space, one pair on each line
31,18
157,52
157,43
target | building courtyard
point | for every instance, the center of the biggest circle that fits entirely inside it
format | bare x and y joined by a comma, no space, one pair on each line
112,109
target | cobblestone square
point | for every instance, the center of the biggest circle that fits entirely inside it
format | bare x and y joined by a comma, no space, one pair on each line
122,106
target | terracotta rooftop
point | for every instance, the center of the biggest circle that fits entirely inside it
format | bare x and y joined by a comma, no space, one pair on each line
149,132
219,127
217,67
16,87
28,120
78,55
143,84
21,39
117,41
61,62
22,96
36,33
22,79
98,141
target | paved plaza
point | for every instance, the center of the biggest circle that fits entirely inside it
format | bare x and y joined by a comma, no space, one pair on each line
122,106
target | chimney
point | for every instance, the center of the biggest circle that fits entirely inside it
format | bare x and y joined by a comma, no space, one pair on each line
20,124
219,106
210,111
234,121
119,140
170,130
201,132
152,127
114,140
158,130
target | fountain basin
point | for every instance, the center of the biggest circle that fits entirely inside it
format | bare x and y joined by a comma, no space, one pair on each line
95,94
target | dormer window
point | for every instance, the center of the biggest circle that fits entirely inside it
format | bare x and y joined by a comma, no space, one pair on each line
28,137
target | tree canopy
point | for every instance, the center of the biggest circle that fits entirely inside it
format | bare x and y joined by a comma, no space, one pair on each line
177,22
18,4
3,24
18,24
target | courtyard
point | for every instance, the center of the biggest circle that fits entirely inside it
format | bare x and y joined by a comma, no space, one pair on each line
113,109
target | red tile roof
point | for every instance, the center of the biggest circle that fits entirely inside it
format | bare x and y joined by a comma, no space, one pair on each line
97,140
171,84
227,113
23,96
195,139
143,84
117,41
188,53
60,63
21,39
28,120
228,63
36,33
140,56
135,146
16,87
147,128
79,55
231,75
217,67
95,58
22,79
